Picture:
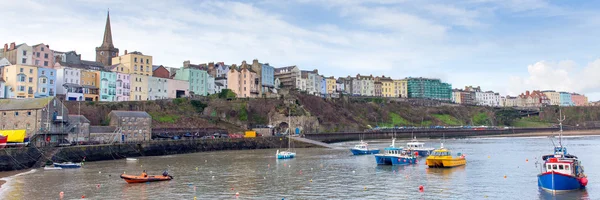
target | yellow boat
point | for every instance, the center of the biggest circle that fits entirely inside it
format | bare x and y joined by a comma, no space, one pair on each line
442,157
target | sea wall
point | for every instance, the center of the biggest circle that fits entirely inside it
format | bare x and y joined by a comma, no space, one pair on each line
23,158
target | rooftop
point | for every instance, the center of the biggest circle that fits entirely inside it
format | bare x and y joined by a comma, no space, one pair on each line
24,104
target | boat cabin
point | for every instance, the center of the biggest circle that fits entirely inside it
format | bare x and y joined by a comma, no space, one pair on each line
393,150
360,146
415,145
560,167
441,153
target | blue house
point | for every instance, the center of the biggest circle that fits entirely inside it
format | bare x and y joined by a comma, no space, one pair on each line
323,85
268,77
46,85
565,99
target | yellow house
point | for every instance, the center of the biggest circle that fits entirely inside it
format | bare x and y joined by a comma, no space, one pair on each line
20,80
387,86
135,62
90,83
139,87
331,85
400,88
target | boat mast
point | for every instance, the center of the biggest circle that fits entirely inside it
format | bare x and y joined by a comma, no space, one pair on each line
289,128
561,118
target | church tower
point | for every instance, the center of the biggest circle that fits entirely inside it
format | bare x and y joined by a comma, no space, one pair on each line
107,50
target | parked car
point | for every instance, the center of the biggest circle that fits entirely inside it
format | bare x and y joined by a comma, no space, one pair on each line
208,137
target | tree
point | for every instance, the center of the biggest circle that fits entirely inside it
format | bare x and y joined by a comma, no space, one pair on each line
227,94
506,116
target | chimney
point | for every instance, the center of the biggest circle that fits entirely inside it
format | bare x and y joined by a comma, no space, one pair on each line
12,46
48,46
125,52
527,92
255,62
186,63
316,71
266,63
5,46
211,65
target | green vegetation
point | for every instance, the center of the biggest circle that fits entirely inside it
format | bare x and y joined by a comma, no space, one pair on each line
227,94
178,101
531,122
506,116
164,118
198,105
447,119
105,121
481,119
396,120
243,113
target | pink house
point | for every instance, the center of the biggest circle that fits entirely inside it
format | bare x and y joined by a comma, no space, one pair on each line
123,87
43,56
243,81
579,100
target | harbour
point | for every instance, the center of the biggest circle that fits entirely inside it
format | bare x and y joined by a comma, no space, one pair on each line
495,166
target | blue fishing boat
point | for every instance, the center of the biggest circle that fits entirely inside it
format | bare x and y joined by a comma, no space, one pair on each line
67,165
393,155
362,148
418,148
561,171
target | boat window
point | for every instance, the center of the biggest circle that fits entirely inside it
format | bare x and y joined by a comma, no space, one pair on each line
549,166
553,166
560,167
566,167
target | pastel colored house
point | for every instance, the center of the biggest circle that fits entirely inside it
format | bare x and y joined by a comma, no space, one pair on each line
378,88
158,88
243,81
42,56
2,87
123,87
220,84
401,88
565,99
579,99
323,88
553,96
139,87
21,79
90,82
135,63
196,78
17,54
4,62
331,85
289,77
210,85
46,82
160,71
68,83
387,86
178,88
366,85
108,85
221,70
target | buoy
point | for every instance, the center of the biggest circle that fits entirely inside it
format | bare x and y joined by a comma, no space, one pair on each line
526,160
311,180
504,176
232,189
194,198
99,172
353,172
83,196
205,161
365,188
61,194
421,188
196,168
237,194
98,186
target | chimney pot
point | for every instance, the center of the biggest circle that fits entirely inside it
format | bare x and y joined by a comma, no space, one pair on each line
125,51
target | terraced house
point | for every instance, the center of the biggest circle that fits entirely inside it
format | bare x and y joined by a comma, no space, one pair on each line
135,63
429,88
21,81
46,82
68,83
42,56
122,82
243,81
89,83
196,76
108,85
17,54
366,85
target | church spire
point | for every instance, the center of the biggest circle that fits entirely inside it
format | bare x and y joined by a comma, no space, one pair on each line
107,41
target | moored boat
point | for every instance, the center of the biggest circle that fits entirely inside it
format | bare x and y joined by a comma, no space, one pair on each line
285,154
67,165
443,158
561,171
362,148
288,154
131,159
144,179
393,155
3,140
418,148
50,167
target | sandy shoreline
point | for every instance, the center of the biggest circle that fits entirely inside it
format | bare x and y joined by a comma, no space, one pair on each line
10,173
555,133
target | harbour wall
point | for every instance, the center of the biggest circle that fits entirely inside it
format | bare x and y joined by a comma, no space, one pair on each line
420,133
29,157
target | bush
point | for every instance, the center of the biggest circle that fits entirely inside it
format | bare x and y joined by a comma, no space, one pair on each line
198,105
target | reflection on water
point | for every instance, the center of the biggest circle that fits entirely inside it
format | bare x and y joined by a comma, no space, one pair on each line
318,174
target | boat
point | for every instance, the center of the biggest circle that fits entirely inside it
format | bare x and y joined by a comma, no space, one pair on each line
3,140
362,148
50,167
561,171
288,154
131,159
418,148
67,165
443,158
393,155
145,179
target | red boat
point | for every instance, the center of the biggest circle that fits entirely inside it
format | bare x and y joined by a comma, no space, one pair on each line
3,140
144,179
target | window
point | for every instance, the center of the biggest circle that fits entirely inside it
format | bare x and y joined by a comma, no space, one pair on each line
147,61
20,70
37,62
46,62
30,79
21,78
22,88
43,81
554,167
24,52
102,53
561,167
24,60
566,167
51,73
31,71
134,59
16,113
42,48
43,72
45,55
51,82
142,68
135,67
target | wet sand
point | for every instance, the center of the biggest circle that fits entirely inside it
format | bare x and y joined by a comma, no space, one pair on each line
555,133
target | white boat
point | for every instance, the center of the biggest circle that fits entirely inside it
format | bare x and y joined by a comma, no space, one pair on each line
418,148
131,159
362,148
288,154
50,167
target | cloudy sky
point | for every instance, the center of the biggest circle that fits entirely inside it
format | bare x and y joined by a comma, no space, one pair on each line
508,46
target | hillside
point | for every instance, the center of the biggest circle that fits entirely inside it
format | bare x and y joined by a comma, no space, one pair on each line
333,115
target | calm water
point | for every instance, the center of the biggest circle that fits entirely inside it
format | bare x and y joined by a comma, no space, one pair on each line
335,174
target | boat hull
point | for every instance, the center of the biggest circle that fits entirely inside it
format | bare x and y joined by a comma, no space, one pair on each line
140,179
383,159
67,166
403,161
364,152
286,156
445,163
558,182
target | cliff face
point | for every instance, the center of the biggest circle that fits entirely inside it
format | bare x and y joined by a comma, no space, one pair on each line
326,115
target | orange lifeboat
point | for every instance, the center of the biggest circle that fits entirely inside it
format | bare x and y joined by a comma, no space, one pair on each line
142,179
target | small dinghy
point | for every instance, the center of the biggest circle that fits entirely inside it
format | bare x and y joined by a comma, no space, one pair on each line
67,165
146,178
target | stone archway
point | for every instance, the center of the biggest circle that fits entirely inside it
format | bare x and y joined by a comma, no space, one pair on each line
282,127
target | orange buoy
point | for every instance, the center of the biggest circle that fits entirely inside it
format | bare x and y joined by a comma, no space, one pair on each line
61,194
526,160
83,196
504,176
421,188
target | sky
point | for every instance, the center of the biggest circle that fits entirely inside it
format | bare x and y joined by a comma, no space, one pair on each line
507,46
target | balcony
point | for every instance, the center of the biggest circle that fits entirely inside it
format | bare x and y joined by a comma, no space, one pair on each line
112,85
